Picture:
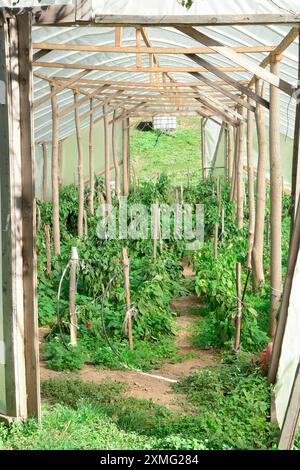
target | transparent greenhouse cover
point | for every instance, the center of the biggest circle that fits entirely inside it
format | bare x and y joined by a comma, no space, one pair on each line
228,35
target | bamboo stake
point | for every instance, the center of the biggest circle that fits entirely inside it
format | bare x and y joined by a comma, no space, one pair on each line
48,248
127,291
72,297
45,171
80,170
125,159
85,221
55,182
115,156
223,223
230,151
240,172
258,244
216,237
275,201
251,195
91,161
107,154
238,318
203,148
38,218
155,229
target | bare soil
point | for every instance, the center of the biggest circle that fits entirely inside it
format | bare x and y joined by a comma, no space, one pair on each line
146,386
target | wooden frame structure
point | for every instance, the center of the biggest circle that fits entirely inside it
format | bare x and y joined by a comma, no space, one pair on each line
223,97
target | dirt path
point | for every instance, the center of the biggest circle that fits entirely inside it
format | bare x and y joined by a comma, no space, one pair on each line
146,386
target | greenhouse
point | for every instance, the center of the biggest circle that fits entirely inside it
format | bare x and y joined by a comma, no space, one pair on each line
150,225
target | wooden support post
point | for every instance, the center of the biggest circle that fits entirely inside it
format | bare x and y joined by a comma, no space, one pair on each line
258,244
18,221
45,171
223,223
238,318
115,157
72,296
216,239
230,151
251,195
91,161
125,159
203,147
233,191
156,228
127,292
275,201
54,174
107,153
292,260
48,248
296,150
85,224
80,169
240,175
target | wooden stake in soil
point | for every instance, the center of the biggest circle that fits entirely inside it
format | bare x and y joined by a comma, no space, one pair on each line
107,154
127,291
258,244
91,160
72,297
55,182
85,222
48,248
230,152
115,157
80,170
275,200
251,194
216,237
238,318
240,174
156,226
223,223
45,171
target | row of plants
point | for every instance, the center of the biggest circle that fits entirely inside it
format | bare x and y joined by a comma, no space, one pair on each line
153,285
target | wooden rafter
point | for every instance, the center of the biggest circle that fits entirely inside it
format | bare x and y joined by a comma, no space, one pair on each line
239,59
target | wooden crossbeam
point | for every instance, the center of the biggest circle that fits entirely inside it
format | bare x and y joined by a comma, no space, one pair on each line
229,80
285,43
143,50
223,90
239,59
115,68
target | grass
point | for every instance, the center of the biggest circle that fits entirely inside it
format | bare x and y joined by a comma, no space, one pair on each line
227,407
175,155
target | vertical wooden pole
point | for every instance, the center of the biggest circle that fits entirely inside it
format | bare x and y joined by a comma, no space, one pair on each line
127,292
230,151
203,148
55,170
240,174
18,220
125,159
238,318
115,156
156,222
275,200
251,195
91,161
48,248
296,162
234,167
45,171
216,239
258,244
80,169
223,223
107,154
85,224
72,296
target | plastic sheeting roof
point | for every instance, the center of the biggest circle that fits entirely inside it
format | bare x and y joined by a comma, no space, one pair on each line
161,37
